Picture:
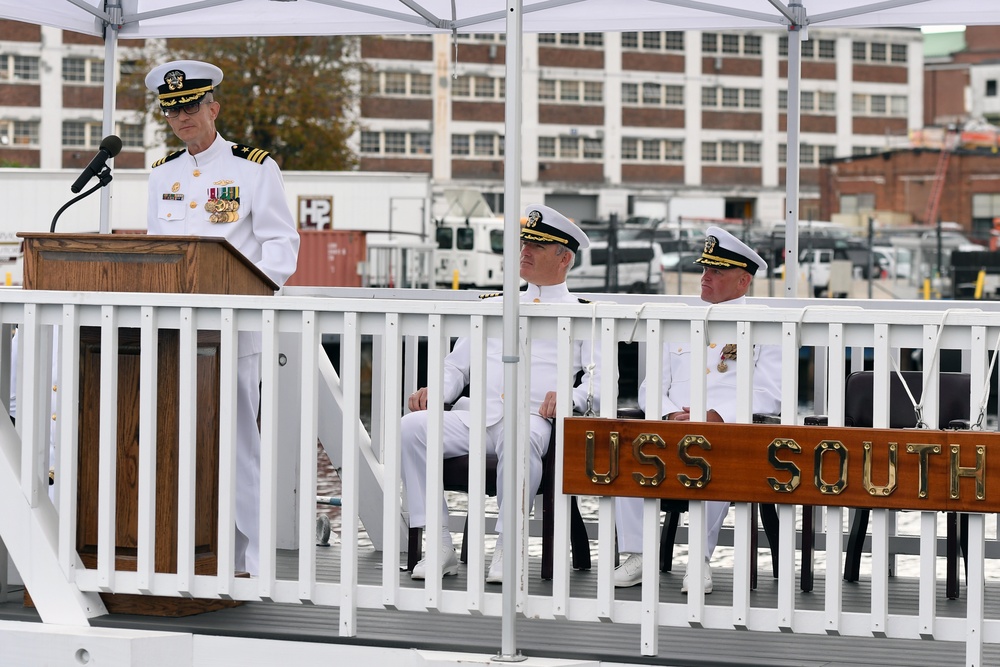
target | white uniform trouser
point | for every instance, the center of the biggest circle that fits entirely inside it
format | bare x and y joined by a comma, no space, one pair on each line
628,517
247,465
456,438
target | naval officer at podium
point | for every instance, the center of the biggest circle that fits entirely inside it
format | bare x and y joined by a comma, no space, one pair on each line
217,188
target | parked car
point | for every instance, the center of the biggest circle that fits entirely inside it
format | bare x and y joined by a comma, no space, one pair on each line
822,266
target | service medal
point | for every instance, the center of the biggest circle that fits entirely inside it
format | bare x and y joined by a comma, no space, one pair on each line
723,366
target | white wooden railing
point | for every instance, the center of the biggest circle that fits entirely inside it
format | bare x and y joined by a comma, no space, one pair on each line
304,399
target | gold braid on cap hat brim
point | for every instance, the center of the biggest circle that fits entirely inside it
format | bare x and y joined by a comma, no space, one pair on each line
542,237
183,96
714,260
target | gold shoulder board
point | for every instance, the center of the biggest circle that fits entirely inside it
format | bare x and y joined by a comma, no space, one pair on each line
257,155
583,300
168,158
490,295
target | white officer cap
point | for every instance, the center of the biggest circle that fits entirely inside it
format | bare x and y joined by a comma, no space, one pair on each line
182,82
544,224
725,251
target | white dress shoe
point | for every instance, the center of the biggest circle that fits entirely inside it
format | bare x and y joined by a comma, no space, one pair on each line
707,578
629,573
449,564
495,574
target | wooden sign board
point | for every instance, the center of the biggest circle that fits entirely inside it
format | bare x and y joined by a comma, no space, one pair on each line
915,469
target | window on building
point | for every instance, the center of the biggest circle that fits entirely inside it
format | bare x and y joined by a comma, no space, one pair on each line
731,98
673,40
651,150
546,146
673,150
395,83
82,134
807,154
898,105
19,132
709,96
807,101
484,145
673,95
593,149
651,40
569,147
420,84
751,45
461,87
74,133
459,144
991,88
593,39
782,100
651,94
859,51
985,208
827,49
859,104
547,38
808,49
569,39
878,52
74,69
827,101
395,142
857,203
709,151
21,68
131,134
630,149
899,53
731,44
876,104
593,91
826,152
630,93
546,89
630,40
420,143
730,151
751,98
569,91
370,142
485,87
751,152
710,42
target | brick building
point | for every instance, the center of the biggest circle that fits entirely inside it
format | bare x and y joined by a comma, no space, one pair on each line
51,100
902,181
612,122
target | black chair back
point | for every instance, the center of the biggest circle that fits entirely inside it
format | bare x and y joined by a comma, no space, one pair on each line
859,399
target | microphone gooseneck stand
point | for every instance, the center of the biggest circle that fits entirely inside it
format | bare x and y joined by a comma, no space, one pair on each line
104,177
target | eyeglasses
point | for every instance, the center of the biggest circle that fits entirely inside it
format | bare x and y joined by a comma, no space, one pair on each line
189,109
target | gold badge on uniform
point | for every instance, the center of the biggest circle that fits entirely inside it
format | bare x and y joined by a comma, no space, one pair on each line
175,187
728,352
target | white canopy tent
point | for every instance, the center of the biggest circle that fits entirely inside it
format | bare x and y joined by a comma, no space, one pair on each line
212,18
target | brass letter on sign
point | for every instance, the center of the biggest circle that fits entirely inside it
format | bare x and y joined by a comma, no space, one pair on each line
978,472
890,486
838,448
787,466
683,446
923,466
603,477
649,459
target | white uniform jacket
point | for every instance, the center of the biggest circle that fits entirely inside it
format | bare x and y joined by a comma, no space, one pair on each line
543,364
721,385
241,180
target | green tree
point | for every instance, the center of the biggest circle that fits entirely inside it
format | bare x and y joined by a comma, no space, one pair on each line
296,97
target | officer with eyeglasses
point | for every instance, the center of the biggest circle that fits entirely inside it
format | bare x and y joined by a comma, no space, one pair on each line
214,187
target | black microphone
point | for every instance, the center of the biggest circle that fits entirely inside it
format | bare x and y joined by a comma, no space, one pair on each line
111,146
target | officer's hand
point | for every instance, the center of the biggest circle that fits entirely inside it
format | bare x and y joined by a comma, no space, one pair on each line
548,407
418,400
713,416
682,415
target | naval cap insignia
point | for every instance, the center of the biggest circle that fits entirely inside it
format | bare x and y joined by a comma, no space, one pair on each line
174,79
710,243
533,219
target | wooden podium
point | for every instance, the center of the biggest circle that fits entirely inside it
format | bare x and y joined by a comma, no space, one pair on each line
141,263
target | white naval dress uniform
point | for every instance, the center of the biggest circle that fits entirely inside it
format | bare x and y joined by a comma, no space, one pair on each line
720,396
263,230
457,438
